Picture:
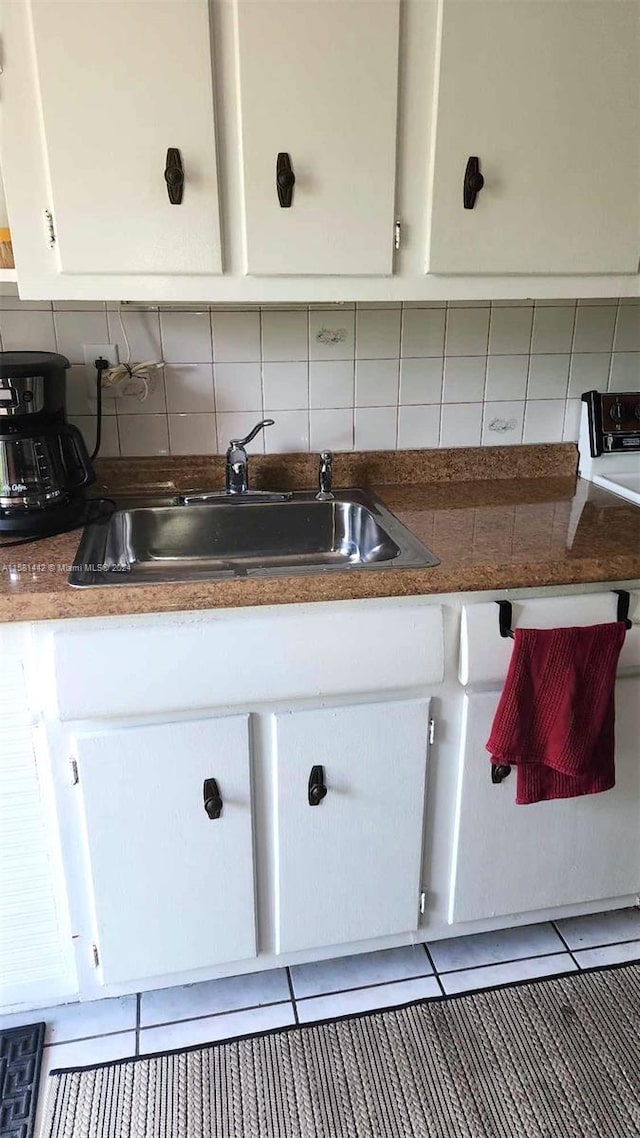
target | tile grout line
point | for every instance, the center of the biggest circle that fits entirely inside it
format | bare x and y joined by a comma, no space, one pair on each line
292,995
138,1008
435,971
576,962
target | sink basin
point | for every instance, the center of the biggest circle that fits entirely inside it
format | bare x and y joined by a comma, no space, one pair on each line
252,538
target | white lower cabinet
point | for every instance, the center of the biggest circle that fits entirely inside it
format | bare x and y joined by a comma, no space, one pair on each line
510,859
173,889
348,866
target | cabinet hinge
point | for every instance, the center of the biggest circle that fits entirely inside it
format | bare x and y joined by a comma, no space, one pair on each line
75,777
423,903
50,228
432,731
96,955
397,233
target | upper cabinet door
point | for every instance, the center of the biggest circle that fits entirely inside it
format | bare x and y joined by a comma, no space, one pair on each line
547,96
318,81
121,82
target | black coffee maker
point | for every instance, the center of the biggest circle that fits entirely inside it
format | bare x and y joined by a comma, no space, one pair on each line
44,464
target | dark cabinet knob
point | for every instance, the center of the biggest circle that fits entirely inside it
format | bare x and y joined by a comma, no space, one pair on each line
500,772
317,789
285,180
174,175
212,798
473,183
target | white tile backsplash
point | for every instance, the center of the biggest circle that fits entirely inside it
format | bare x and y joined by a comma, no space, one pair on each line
331,384
377,383
284,336
236,337
510,331
503,423
421,381
286,386
238,387
376,428
594,328
193,434
416,375
464,379
186,336
331,334
506,377
189,388
467,332
331,429
553,329
378,334
548,377
423,331
589,372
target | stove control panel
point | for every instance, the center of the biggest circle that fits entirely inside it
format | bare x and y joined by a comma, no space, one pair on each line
614,421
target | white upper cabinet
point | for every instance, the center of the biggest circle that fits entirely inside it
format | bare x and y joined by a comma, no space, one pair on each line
547,96
376,105
120,83
318,81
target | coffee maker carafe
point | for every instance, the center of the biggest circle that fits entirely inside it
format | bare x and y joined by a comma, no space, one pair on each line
44,464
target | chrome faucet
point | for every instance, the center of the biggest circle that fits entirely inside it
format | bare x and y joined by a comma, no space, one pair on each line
237,477
236,470
325,477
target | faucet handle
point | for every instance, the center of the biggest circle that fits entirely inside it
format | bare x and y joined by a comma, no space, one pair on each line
252,434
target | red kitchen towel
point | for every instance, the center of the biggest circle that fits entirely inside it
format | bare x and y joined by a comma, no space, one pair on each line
555,717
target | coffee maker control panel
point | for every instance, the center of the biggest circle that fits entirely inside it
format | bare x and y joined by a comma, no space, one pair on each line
22,395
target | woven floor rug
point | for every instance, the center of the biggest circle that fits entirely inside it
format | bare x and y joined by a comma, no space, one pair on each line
555,1058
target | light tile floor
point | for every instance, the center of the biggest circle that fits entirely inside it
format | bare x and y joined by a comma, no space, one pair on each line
82,1034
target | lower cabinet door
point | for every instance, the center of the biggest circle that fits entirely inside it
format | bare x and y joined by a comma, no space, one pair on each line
516,859
173,889
348,867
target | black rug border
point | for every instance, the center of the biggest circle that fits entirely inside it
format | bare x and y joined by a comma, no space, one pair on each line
41,1027
575,974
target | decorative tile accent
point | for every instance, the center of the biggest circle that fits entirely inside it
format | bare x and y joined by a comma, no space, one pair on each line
503,423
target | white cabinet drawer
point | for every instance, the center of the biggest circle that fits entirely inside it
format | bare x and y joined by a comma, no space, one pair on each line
485,655
243,658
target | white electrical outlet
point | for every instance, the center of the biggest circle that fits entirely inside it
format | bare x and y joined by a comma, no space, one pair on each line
92,352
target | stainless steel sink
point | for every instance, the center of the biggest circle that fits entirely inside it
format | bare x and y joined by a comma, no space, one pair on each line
244,538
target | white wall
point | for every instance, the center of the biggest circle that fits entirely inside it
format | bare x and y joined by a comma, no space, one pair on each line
366,376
